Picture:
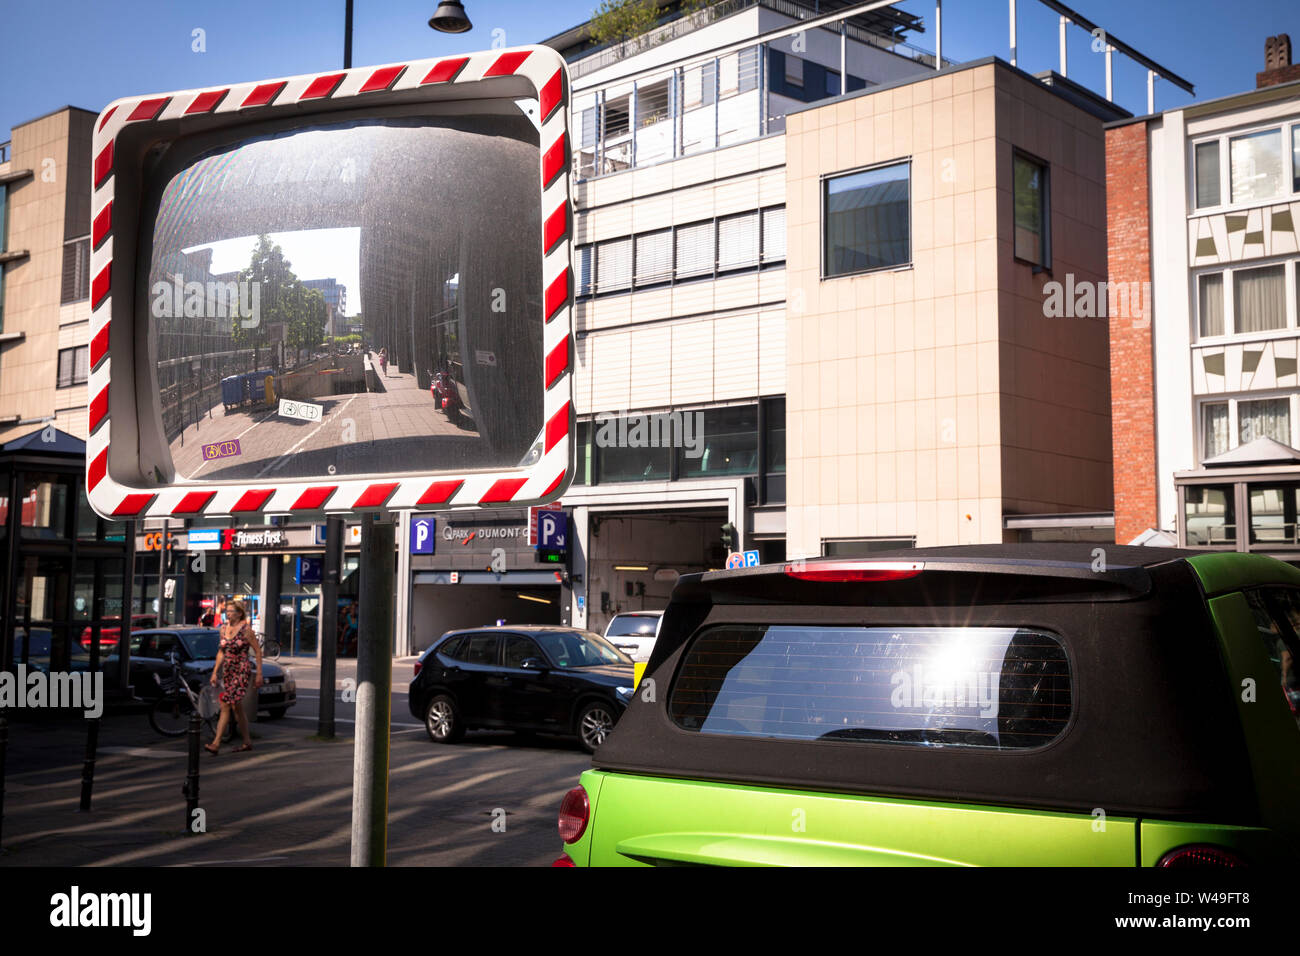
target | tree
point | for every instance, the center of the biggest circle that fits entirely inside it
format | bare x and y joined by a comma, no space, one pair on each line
623,21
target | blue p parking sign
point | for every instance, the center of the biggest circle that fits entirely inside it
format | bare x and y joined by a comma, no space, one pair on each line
422,534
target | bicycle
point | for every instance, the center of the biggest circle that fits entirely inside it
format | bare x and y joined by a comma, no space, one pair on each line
170,713
270,647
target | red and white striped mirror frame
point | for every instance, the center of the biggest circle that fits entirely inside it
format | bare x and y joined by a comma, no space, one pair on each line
546,71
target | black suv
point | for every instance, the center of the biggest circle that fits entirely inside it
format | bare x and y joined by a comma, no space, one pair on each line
553,679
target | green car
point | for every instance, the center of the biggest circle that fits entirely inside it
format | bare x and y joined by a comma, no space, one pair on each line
999,705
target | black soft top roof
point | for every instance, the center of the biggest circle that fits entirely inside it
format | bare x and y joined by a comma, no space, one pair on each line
1153,729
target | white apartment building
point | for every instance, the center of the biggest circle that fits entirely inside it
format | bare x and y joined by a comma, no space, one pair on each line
829,303
1213,190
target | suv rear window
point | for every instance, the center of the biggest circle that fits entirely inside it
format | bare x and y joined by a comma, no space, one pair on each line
993,687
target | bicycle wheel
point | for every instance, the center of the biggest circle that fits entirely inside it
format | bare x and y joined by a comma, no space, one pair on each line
271,649
170,716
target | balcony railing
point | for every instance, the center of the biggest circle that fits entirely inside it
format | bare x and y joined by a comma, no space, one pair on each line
4,152
688,24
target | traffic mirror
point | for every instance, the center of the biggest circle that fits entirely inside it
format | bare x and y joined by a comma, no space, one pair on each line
334,293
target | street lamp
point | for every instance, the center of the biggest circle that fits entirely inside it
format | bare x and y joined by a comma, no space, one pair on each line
450,18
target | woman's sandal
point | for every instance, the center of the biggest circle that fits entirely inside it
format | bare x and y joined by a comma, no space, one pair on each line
242,747
211,749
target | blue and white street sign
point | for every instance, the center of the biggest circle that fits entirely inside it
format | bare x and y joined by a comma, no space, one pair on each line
751,559
310,569
422,533
742,559
552,530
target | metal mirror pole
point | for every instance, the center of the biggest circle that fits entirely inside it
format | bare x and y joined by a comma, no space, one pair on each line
329,624
374,693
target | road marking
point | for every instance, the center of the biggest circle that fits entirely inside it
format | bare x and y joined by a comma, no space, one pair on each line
142,752
236,438
279,462
251,859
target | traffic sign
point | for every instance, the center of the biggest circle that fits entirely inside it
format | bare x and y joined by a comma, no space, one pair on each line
742,559
552,530
228,424
422,533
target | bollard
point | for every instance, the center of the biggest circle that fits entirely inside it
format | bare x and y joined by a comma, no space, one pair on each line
4,745
191,788
88,762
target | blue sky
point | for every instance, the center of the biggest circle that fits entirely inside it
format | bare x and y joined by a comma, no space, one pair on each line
59,52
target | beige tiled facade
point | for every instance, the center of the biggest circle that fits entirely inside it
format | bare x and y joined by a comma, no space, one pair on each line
46,210
934,400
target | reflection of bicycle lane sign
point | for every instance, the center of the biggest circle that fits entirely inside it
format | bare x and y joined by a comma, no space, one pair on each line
303,411
221,449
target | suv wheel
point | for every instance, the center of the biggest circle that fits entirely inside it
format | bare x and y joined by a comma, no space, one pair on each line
442,722
595,721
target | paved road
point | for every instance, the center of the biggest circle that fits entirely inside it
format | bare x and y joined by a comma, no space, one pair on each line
354,432
289,801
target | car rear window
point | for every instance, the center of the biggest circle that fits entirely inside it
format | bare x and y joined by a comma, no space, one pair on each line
632,624
1003,688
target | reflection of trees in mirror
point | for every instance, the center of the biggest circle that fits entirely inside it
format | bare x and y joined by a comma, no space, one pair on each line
284,301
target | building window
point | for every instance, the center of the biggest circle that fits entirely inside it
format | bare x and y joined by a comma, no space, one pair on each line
738,241
1255,160
76,271
1259,299
1273,514
774,234
1295,158
1209,515
1264,418
696,250
74,366
863,547
1211,304
614,265
1032,211
867,220
724,441
616,118
695,247
1208,192
1216,427
654,257
793,70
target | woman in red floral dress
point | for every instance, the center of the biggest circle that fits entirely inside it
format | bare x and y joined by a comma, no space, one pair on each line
233,668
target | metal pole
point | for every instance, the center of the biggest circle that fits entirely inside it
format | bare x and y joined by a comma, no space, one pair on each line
347,36
1151,91
1109,85
329,618
1065,23
162,576
374,695
1013,32
938,34
844,60
88,762
4,746
191,788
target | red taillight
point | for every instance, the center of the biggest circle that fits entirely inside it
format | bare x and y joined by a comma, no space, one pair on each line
574,811
444,403
839,571
417,668
564,860
1198,856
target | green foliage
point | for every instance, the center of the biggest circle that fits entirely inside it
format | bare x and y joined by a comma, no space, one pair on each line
283,300
621,21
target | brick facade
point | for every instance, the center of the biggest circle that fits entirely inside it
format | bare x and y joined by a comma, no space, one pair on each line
1128,235
1275,77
